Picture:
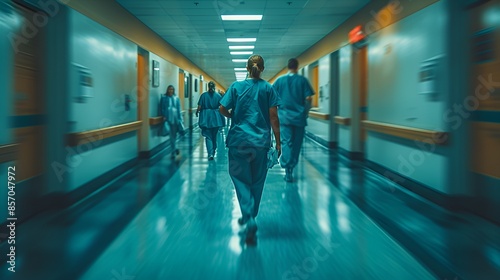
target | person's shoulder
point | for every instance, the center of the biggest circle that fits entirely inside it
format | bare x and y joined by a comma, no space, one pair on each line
264,83
281,78
233,84
238,85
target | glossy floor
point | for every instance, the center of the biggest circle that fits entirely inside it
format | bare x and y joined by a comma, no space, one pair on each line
169,219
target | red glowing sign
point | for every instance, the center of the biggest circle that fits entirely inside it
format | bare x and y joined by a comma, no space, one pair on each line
356,34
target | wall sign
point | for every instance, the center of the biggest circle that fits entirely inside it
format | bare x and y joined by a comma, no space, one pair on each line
156,73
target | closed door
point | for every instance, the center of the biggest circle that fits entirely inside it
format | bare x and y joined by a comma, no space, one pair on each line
29,113
485,82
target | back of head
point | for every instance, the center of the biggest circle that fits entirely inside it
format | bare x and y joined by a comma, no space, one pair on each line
211,86
293,64
255,65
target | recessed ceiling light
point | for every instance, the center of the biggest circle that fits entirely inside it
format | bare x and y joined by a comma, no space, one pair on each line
240,69
239,60
241,17
241,40
241,47
238,53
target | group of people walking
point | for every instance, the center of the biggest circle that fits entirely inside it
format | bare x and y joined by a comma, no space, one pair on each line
256,109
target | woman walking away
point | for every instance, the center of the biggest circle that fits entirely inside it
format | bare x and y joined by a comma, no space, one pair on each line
252,106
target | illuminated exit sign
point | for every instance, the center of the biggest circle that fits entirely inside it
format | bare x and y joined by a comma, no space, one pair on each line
356,34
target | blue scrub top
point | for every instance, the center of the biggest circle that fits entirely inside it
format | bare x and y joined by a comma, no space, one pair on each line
250,101
210,116
293,90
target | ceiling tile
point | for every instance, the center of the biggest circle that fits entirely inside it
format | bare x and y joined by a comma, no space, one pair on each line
198,32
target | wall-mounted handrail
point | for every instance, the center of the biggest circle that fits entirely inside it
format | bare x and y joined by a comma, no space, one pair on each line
319,116
79,138
342,120
8,152
155,120
417,134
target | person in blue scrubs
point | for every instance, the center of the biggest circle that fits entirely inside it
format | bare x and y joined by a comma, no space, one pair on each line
210,120
252,106
296,94
170,109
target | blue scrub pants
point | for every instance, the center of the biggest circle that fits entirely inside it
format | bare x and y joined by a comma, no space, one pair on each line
173,136
248,170
291,143
210,135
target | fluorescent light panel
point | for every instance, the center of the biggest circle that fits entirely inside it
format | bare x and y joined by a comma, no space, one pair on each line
240,53
241,47
240,60
241,40
241,17
240,69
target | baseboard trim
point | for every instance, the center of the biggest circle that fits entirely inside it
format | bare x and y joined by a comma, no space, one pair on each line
31,204
487,203
327,144
450,202
355,156
71,198
149,154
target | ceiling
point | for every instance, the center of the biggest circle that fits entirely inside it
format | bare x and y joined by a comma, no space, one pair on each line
287,29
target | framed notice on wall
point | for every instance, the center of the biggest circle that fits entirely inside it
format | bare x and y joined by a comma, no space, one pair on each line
156,73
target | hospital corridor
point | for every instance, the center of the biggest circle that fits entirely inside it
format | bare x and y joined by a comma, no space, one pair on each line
250,139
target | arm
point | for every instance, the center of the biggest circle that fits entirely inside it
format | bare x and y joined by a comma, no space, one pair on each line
224,111
162,109
309,92
308,103
275,124
179,113
198,110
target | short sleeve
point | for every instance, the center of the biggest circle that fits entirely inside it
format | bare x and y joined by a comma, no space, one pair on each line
276,85
308,91
199,100
228,100
274,99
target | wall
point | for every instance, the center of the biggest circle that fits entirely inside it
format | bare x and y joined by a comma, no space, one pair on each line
321,128
169,75
395,55
127,25
195,96
112,62
338,38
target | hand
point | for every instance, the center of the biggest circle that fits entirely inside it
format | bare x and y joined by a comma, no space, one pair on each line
197,113
278,148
